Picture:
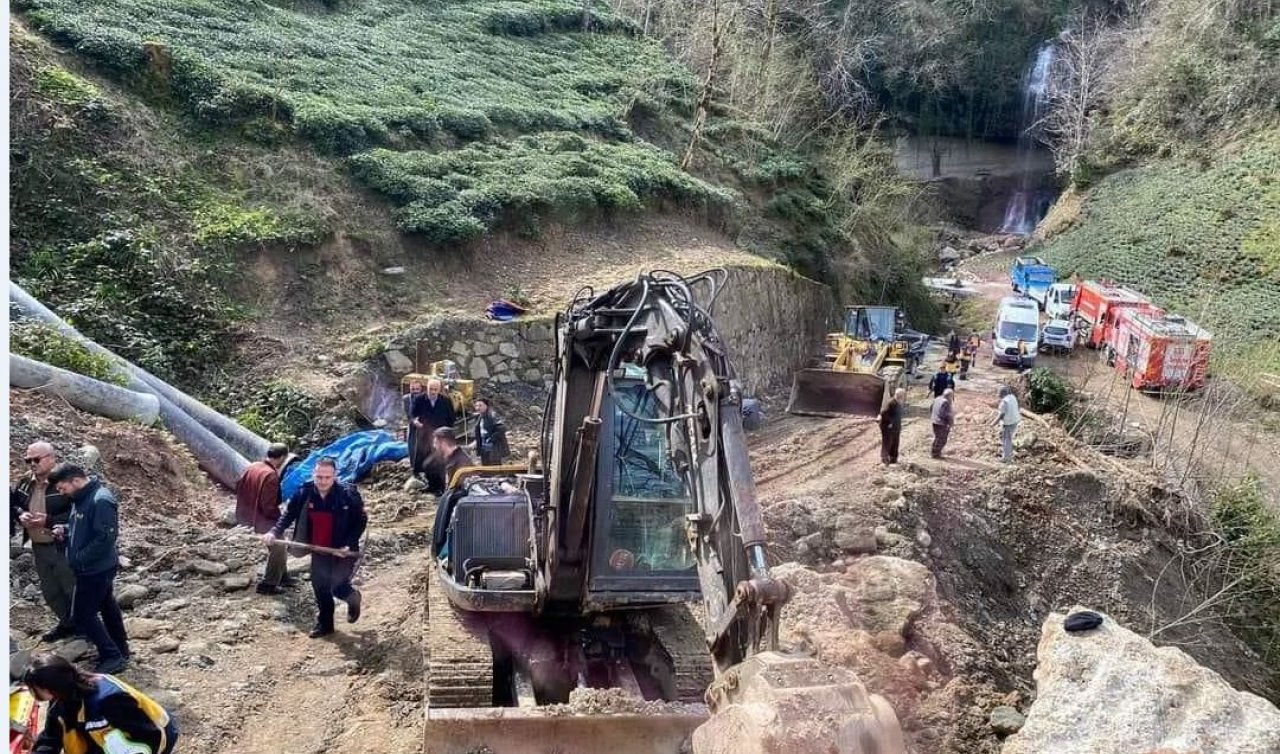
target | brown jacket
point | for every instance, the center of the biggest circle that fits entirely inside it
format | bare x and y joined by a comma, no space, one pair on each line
258,497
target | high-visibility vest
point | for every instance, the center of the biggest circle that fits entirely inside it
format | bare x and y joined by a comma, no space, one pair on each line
91,723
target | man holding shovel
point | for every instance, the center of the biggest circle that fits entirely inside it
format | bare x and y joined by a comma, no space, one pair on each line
330,520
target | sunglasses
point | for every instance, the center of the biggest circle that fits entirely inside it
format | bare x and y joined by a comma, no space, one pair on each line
35,460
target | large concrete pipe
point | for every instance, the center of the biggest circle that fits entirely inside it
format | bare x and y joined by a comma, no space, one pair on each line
245,442
220,460
94,396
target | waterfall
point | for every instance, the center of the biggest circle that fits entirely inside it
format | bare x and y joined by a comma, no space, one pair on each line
1026,206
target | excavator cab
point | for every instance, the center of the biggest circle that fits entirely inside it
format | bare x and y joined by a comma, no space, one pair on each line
572,583
864,363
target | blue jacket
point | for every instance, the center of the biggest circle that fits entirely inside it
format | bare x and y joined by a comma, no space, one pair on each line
93,529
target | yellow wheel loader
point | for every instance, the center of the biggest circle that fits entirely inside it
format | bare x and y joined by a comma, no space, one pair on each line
863,365
559,600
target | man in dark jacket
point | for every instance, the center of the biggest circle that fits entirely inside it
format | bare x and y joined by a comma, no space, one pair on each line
38,507
410,400
941,382
331,515
491,435
258,506
452,458
431,411
91,551
891,426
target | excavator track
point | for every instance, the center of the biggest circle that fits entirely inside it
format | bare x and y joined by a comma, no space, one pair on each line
459,657
684,640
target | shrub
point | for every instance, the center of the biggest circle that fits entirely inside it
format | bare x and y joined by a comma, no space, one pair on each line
279,411
1048,391
42,342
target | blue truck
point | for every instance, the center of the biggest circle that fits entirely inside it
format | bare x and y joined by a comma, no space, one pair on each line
1031,277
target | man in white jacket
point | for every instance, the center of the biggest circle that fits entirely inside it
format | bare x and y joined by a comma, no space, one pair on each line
1007,416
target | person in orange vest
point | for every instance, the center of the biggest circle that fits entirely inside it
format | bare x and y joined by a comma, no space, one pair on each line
95,712
969,354
1022,355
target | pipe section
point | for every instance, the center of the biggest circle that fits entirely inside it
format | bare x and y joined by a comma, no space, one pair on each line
94,396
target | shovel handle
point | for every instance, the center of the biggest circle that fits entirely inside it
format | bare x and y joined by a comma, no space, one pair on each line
317,548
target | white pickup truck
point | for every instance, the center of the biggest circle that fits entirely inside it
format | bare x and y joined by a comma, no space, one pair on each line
1057,300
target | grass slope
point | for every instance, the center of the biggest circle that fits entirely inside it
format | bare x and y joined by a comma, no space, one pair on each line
1204,241
462,80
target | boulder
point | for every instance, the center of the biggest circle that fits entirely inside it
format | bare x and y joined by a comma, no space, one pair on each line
478,369
207,567
1110,690
143,628
1006,720
481,348
397,362
74,650
131,594
165,645
236,583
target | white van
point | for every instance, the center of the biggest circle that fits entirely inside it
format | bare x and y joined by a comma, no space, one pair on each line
1015,322
1059,300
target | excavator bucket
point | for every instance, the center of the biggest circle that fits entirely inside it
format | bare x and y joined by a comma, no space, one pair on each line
829,392
553,730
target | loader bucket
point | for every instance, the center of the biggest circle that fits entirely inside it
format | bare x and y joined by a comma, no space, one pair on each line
826,392
552,730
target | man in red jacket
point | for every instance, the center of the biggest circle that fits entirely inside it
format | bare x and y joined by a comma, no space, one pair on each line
258,506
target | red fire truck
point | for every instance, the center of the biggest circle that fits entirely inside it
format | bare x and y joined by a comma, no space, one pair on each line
1096,305
1157,351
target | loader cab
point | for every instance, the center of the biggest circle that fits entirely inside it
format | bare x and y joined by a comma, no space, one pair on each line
639,549
873,322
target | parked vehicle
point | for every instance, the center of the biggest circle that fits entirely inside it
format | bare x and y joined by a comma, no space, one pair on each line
1156,351
1059,300
1021,302
1058,336
1096,306
1017,327
1031,276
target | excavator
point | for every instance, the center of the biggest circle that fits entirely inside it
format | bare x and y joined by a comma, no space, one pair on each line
865,363
615,595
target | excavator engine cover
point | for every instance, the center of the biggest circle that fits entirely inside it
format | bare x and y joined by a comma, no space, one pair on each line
776,703
829,392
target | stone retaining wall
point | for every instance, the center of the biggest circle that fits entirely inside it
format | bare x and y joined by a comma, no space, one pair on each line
772,320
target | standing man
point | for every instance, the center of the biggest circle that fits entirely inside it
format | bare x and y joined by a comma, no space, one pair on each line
1008,415
432,411
331,515
891,427
38,507
969,354
410,401
943,417
91,537
942,381
258,506
491,434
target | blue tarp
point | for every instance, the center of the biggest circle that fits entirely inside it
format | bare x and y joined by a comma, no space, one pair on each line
504,311
356,454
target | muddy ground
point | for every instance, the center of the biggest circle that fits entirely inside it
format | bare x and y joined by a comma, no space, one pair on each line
1002,546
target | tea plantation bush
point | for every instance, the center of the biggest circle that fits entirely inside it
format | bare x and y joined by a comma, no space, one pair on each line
456,195
360,73
1201,241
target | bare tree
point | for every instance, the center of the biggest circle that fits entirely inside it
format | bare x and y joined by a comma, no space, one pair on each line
1077,89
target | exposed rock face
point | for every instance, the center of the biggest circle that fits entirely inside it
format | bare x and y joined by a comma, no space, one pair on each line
1110,690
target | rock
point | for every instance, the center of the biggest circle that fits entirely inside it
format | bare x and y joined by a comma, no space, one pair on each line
395,271
194,647
890,494
536,332
478,369
298,565
74,650
505,378
532,375
948,254
397,362
165,645
236,583
227,518
924,539
143,628
510,350
414,484
481,348
90,457
130,595
1006,720
207,567
857,542
1111,690
459,349
18,662
124,562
